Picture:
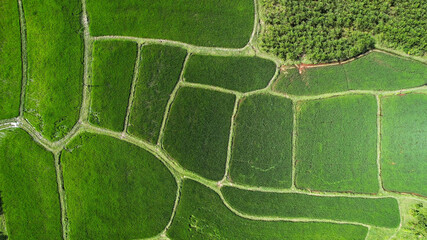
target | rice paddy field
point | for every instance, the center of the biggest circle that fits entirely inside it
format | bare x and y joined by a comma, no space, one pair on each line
121,191
159,72
205,23
376,71
250,73
10,60
54,45
382,212
29,192
166,120
336,145
404,144
113,64
197,131
262,144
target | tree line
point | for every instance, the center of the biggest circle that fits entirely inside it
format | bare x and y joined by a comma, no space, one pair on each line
334,30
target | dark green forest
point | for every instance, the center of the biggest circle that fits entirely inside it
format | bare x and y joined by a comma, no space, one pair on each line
334,30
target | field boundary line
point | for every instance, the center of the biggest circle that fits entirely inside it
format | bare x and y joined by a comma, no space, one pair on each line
349,92
175,206
193,48
133,86
88,46
210,87
306,192
231,138
273,79
170,101
61,192
379,126
294,143
285,219
401,220
37,137
24,57
9,123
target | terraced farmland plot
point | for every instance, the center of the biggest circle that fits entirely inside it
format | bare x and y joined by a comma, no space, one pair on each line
28,188
404,143
383,212
159,71
10,60
115,190
55,66
262,144
336,144
197,131
375,71
113,69
202,215
242,74
210,23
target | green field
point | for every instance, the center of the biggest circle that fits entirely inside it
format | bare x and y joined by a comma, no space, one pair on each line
336,144
219,23
28,188
404,143
242,74
382,212
159,72
375,71
312,81
115,190
197,130
10,59
113,68
381,71
55,66
202,215
262,145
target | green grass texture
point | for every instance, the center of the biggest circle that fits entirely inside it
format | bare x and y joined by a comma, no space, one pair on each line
262,144
336,144
197,131
113,69
55,66
115,190
202,215
404,143
213,23
159,72
28,188
10,59
375,71
242,74
382,212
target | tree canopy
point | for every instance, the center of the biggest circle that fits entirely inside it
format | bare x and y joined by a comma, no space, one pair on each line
331,30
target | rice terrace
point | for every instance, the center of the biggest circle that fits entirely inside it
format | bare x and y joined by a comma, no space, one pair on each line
213,119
